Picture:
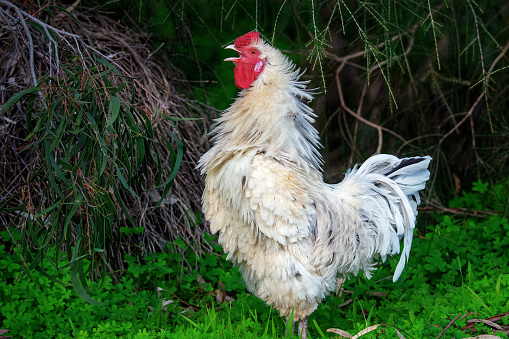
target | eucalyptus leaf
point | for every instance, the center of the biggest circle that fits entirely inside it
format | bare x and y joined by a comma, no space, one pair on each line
17,97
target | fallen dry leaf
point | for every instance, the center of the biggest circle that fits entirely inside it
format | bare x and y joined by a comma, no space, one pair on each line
400,336
165,302
349,301
485,321
342,333
366,330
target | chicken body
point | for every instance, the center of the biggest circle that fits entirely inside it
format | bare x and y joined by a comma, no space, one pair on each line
290,233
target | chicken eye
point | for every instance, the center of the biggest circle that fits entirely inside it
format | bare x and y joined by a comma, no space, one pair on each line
253,51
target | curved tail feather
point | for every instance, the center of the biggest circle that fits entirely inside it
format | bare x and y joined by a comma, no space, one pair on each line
388,201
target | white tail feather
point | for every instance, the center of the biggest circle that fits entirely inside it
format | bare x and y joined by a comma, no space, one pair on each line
388,201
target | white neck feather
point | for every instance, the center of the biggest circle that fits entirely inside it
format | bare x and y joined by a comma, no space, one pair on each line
270,117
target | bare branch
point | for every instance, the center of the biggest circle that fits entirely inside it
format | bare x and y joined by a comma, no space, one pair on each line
359,117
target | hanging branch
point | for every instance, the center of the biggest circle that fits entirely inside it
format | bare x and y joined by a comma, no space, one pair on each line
347,60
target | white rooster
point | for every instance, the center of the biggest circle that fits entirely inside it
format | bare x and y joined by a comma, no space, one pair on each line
290,233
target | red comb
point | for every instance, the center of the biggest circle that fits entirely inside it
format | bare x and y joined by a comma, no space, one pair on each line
246,39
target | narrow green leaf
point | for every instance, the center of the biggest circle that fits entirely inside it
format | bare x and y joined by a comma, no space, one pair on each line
37,128
124,155
50,12
55,205
42,31
111,209
24,253
16,97
177,161
65,165
76,275
12,209
35,265
67,237
103,162
113,110
269,319
192,322
79,115
79,288
69,14
497,290
140,143
107,64
478,298
82,276
121,204
149,130
78,144
91,119
118,88
77,131
59,172
76,205
318,328
27,270
103,76
48,233
131,122
175,167
87,150
124,182
58,135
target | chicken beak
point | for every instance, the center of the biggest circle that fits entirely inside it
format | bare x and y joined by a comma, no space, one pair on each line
236,50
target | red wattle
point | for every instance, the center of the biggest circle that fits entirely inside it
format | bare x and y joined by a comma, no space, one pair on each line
244,75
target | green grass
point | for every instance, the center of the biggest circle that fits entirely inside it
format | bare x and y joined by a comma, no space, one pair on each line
458,264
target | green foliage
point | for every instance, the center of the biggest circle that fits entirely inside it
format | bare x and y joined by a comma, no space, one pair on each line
128,306
483,198
458,265
95,148
180,271
40,308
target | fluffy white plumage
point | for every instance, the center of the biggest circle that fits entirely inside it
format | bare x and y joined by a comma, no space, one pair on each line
290,233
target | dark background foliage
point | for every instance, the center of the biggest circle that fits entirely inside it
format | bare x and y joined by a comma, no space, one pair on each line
430,73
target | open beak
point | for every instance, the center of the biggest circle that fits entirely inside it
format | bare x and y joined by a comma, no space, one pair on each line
236,50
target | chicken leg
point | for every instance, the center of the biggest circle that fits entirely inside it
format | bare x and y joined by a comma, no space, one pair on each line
303,328
286,327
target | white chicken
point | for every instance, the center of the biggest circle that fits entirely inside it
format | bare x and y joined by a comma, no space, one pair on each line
290,233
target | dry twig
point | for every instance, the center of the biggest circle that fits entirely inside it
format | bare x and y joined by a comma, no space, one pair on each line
357,114
449,325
